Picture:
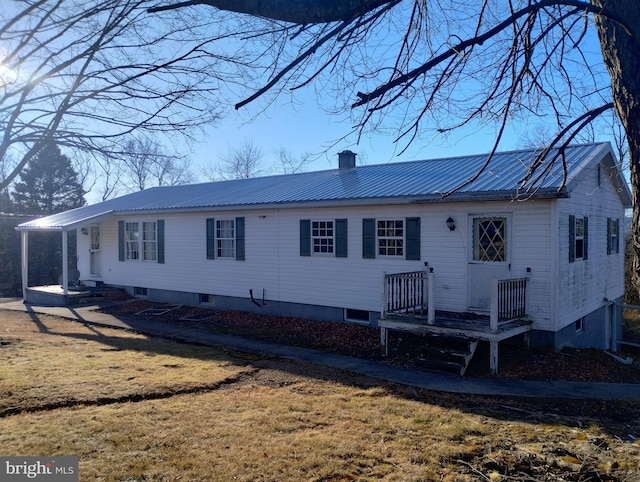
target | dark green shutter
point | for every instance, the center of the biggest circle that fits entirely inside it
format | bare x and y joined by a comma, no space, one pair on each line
586,238
369,238
240,239
305,237
413,239
617,228
160,234
609,231
121,240
341,238
572,238
211,238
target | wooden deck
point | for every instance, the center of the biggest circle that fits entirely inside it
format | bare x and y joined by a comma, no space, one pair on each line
409,306
463,324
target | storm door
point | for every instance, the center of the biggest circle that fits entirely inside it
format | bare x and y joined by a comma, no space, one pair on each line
489,258
94,250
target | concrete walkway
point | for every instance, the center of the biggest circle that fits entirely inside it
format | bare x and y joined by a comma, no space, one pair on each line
420,379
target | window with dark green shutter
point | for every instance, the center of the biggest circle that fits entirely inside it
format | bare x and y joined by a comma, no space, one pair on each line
240,239
160,229
578,238
369,238
413,238
225,238
305,237
341,238
121,240
141,241
211,238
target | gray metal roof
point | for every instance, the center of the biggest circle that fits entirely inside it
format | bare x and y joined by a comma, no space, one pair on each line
398,182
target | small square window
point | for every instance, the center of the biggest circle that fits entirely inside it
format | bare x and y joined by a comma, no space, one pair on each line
580,325
139,292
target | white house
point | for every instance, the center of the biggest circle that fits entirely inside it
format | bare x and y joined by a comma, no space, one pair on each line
541,256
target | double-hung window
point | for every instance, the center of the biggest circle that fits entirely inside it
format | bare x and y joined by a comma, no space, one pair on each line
613,236
225,238
578,237
322,237
149,241
141,240
132,240
390,235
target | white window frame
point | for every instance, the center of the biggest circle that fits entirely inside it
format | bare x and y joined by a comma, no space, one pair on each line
141,240
226,238
388,241
149,241
323,237
132,240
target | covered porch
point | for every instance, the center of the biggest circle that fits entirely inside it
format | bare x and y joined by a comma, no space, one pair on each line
67,289
409,306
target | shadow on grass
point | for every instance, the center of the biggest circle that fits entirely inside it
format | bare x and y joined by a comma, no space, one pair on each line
619,418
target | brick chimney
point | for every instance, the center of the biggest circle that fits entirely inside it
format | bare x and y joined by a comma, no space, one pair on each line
346,159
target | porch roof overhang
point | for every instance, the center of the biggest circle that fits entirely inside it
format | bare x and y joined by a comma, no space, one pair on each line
63,221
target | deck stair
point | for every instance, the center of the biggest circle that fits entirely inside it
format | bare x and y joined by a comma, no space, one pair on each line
447,352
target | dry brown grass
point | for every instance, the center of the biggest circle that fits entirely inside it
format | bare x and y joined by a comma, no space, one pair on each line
138,408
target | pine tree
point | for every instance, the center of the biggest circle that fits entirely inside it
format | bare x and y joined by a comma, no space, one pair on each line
49,184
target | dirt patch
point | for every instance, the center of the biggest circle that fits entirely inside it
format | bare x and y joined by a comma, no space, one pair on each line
516,361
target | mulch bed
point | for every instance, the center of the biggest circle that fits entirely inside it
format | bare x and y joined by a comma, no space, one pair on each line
516,362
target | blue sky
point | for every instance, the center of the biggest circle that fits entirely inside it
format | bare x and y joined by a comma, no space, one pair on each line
305,127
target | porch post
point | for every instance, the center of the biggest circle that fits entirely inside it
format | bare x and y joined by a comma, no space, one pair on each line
431,308
385,295
24,252
493,317
493,357
65,264
384,341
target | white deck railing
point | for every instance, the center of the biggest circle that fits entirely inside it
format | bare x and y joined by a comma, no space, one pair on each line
409,294
508,300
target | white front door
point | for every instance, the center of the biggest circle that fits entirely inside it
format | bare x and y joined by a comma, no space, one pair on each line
94,250
489,258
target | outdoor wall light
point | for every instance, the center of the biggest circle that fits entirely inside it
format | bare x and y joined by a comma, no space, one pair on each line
84,231
451,224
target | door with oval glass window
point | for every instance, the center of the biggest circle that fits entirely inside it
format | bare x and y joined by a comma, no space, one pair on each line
489,258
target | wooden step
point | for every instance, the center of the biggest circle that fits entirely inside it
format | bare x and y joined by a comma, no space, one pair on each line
447,352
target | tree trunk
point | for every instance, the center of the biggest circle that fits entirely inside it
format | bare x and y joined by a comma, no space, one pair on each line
620,45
